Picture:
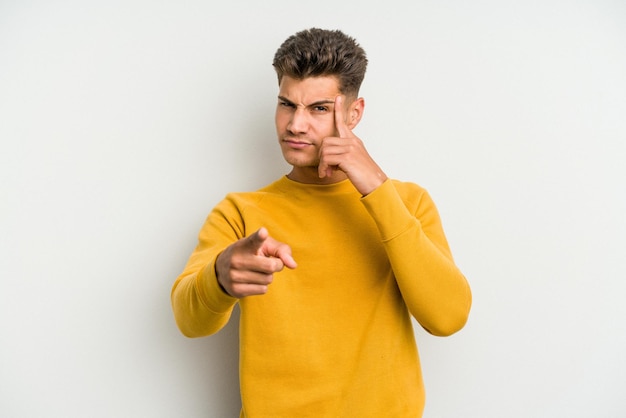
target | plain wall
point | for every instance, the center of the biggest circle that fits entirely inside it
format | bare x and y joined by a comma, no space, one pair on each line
122,123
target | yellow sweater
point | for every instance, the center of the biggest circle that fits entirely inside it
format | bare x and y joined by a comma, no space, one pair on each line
333,337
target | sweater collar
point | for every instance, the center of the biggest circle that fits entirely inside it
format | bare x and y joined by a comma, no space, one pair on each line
342,187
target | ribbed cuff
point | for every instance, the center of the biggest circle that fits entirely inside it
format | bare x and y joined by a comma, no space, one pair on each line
388,210
211,293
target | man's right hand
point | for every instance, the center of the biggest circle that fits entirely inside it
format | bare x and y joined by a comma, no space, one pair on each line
247,267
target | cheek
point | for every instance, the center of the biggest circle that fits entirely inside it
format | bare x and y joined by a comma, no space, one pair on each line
280,120
326,127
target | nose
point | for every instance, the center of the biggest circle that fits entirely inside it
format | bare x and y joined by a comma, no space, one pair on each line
298,123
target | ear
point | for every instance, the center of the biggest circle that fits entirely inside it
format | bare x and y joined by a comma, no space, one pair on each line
355,112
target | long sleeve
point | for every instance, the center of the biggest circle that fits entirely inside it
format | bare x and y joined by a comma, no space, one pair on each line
339,319
433,288
200,306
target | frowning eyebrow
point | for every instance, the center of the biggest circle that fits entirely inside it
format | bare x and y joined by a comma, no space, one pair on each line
318,103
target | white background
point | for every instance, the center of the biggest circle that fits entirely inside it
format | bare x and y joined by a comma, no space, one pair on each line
122,123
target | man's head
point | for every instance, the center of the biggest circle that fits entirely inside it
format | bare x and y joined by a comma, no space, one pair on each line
315,67
318,52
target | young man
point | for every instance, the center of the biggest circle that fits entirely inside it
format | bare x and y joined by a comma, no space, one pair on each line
327,263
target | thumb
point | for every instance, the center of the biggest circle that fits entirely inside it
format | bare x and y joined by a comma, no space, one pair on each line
284,253
277,249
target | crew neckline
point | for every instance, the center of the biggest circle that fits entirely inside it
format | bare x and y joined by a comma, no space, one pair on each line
343,186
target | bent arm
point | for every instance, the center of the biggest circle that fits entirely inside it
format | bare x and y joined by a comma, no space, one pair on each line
434,289
200,305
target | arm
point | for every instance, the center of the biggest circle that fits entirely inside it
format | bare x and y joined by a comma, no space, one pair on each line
435,291
200,306
203,296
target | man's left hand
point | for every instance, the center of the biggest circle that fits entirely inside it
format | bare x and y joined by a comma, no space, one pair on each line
347,153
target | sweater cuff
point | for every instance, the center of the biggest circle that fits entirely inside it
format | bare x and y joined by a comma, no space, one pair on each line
211,293
388,210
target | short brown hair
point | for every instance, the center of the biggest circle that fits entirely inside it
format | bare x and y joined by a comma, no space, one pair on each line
318,52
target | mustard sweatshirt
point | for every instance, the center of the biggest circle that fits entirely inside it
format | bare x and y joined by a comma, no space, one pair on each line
333,337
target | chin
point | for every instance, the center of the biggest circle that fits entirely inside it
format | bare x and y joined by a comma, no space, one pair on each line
300,161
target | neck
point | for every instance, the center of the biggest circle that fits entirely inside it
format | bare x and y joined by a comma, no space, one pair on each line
310,175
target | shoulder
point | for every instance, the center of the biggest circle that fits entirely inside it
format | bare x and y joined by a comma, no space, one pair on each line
243,200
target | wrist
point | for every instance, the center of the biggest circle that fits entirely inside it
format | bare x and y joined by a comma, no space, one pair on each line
374,183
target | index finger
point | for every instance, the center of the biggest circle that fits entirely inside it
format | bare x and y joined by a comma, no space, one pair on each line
256,240
340,122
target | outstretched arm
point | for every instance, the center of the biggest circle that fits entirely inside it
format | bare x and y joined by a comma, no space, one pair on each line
224,267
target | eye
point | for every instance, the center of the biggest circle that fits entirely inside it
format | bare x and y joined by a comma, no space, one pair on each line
285,104
321,109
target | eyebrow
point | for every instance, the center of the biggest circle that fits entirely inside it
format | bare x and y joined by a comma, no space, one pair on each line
318,103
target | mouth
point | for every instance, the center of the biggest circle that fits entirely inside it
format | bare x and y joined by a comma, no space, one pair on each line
296,143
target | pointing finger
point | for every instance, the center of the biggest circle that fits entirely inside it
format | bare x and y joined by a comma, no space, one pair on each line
340,122
262,244
256,240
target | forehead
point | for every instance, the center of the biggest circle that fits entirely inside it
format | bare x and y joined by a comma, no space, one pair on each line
310,89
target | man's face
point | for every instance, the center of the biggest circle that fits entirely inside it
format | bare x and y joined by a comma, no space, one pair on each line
304,117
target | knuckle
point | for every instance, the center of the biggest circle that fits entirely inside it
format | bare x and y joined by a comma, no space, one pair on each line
278,264
237,277
236,292
236,264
